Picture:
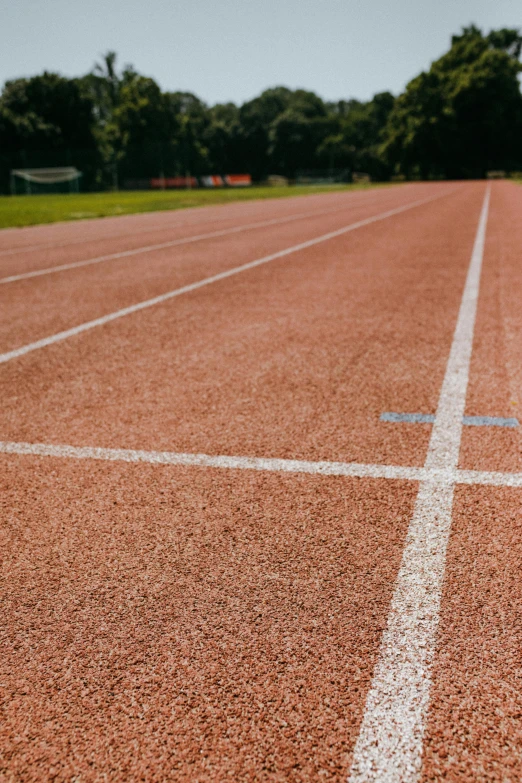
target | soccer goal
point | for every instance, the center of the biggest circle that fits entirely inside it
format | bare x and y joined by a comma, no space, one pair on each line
63,179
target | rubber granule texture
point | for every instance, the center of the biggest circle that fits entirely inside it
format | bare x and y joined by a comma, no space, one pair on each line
195,625
474,732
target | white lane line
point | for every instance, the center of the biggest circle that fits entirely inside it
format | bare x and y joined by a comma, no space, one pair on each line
105,319
163,245
389,746
269,464
446,434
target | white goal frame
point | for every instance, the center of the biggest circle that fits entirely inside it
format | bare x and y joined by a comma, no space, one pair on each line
46,176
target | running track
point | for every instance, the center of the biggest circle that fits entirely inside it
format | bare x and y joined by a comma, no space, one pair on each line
219,562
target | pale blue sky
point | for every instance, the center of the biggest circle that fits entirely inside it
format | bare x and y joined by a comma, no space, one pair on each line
232,49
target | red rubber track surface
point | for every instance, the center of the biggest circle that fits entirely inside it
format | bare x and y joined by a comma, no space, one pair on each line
191,626
63,299
475,727
23,250
496,370
199,624
55,234
296,359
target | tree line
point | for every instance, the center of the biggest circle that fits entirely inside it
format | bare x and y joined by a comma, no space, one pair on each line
459,119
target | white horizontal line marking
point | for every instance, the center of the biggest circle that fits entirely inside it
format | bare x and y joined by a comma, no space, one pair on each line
105,319
323,468
489,478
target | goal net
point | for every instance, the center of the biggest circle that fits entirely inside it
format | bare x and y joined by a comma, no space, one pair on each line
64,179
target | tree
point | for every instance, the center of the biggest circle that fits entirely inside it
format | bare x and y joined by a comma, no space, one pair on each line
46,111
279,131
255,118
221,138
355,141
103,86
460,118
295,140
193,118
464,116
47,120
149,128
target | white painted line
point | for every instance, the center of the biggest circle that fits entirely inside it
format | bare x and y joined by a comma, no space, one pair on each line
105,319
390,742
352,469
489,478
73,242
447,429
272,465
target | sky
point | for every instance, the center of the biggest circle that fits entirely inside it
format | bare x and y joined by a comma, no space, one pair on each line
230,50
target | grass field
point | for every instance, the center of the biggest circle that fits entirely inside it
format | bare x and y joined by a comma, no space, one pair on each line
31,210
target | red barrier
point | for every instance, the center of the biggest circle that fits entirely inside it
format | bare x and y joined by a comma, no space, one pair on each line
208,181
238,180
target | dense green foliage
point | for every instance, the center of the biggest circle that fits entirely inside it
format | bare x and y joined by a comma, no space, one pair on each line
464,116
459,119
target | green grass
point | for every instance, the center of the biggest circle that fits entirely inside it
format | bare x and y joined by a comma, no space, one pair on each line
31,210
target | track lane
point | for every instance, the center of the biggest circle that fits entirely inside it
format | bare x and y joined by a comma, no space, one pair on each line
474,731
56,505
496,369
72,239
295,359
101,242
163,242
35,308
390,743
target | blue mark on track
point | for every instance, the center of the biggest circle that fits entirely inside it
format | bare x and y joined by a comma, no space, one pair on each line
429,418
411,418
489,421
